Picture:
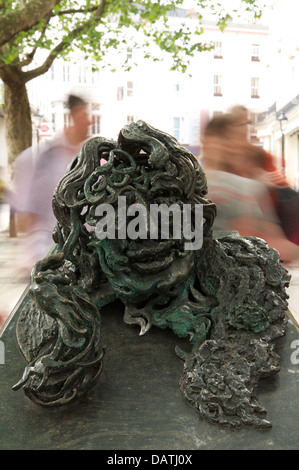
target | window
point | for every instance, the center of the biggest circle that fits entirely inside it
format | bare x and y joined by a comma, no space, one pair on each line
66,120
82,72
95,124
95,106
95,77
129,53
66,73
254,87
124,91
255,52
86,74
52,72
217,85
176,128
120,93
218,50
129,88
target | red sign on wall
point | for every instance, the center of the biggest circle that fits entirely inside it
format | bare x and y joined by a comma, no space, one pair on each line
45,129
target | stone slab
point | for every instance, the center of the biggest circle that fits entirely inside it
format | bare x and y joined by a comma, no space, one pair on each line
137,404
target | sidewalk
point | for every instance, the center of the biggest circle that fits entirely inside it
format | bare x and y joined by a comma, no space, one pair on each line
13,282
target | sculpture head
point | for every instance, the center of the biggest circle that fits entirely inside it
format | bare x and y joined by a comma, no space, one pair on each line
138,202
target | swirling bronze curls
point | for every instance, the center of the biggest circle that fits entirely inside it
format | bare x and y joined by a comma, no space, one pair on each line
70,358
228,297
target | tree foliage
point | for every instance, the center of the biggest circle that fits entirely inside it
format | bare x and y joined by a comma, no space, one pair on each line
95,26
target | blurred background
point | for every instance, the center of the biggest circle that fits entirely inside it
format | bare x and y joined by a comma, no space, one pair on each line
253,62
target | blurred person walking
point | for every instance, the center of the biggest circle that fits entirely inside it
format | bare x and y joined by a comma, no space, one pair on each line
243,203
36,174
285,198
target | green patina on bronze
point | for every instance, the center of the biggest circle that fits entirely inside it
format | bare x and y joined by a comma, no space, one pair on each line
228,298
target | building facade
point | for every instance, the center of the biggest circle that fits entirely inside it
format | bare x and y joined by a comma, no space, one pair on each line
281,137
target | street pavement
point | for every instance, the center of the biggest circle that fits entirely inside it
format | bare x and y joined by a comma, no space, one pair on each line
13,281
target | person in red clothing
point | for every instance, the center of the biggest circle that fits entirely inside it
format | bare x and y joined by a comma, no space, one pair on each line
285,199
243,203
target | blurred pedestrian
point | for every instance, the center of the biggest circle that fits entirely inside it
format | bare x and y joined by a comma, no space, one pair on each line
267,161
37,172
243,203
285,198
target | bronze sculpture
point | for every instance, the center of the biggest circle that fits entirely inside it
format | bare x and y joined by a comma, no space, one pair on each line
228,296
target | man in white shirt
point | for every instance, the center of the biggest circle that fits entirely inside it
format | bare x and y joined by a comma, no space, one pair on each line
36,177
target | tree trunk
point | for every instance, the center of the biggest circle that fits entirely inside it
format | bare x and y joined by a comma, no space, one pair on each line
17,114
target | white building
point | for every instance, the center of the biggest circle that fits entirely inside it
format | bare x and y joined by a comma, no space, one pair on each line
282,76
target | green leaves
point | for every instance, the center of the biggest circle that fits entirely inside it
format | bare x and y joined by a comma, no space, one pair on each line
81,24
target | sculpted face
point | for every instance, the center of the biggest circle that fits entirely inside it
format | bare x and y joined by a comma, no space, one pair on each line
145,169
